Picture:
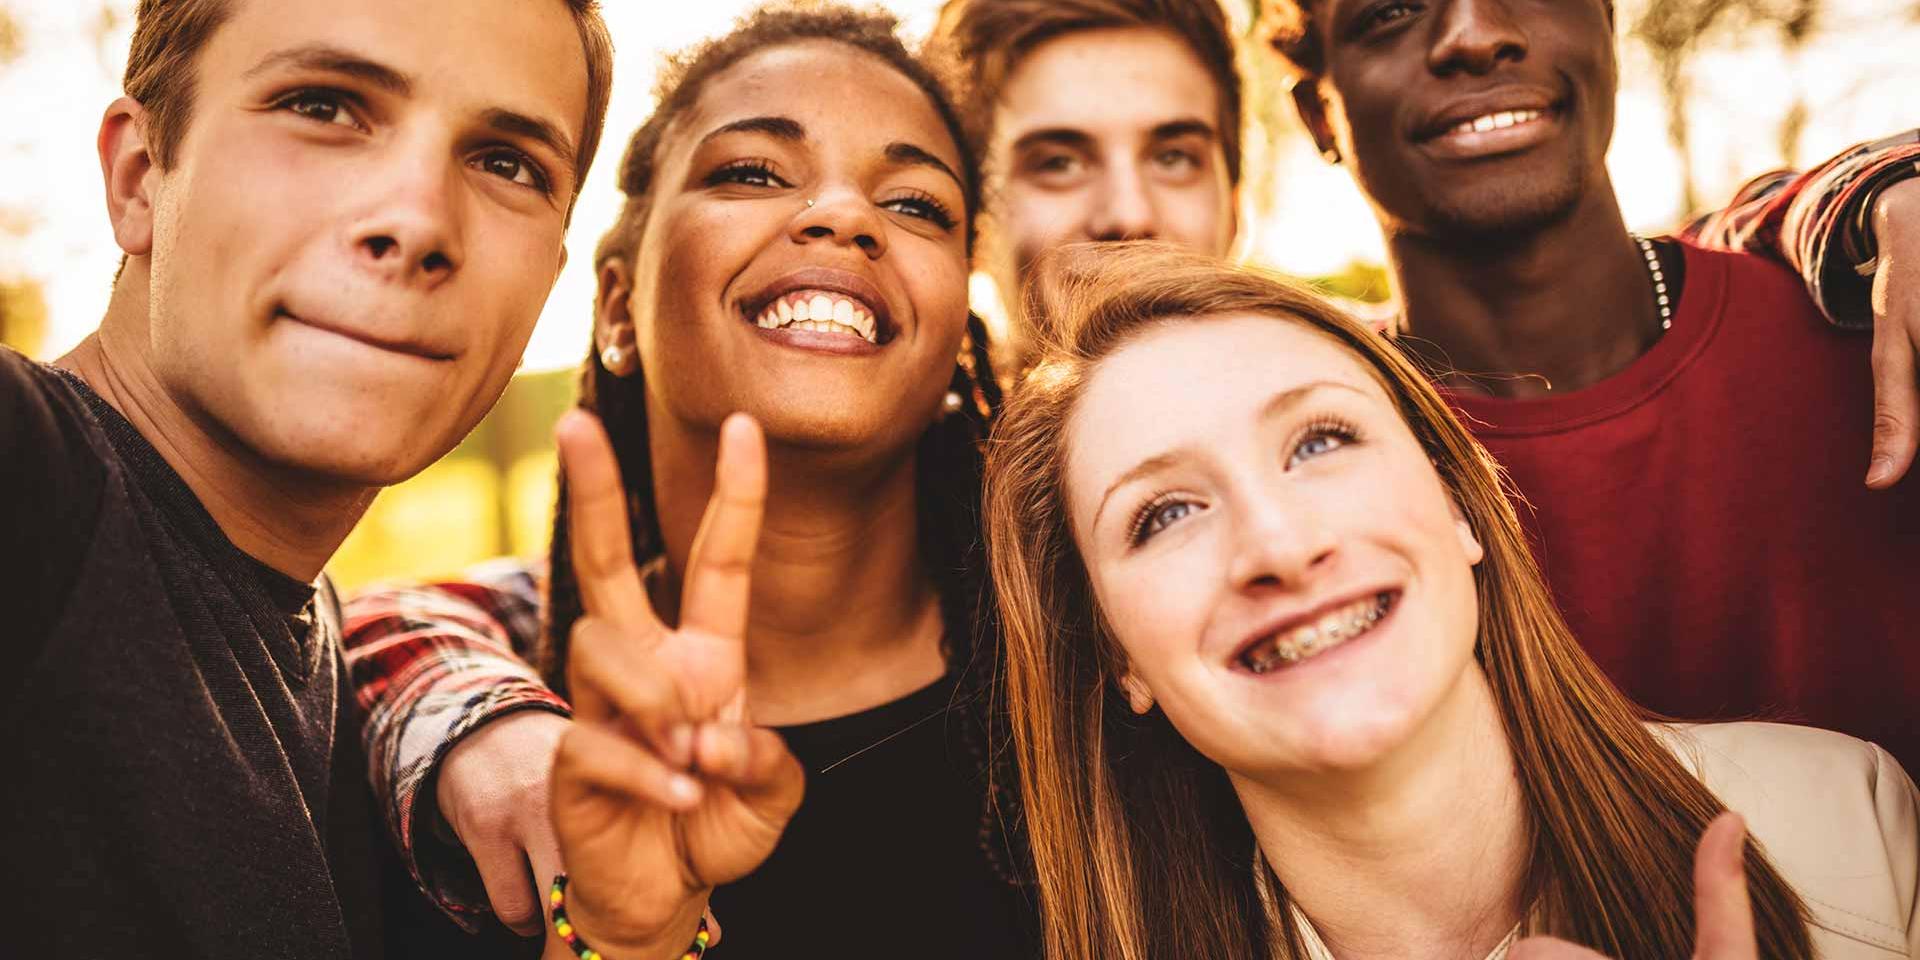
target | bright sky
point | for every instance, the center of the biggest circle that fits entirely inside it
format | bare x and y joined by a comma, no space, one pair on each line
1859,85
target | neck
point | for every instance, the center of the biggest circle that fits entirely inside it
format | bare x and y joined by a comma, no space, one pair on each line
1358,850
1558,309
843,614
288,520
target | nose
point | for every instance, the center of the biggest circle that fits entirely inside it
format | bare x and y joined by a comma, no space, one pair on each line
1474,37
1123,210
1278,546
841,215
412,230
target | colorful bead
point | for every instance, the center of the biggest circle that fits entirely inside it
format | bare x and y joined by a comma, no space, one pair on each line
564,927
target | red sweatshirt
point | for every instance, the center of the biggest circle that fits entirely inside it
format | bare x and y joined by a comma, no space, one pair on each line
1702,517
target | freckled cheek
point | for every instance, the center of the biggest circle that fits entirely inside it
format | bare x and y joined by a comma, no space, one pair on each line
1042,219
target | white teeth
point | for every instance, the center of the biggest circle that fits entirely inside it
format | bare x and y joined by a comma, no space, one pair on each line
1325,633
1498,121
820,313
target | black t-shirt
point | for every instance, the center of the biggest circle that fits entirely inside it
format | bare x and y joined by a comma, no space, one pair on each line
888,852
181,777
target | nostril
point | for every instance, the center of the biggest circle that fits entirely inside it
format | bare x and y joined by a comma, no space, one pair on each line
436,262
867,242
381,246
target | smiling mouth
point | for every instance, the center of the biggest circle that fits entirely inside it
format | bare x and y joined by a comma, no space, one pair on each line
820,311
1489,122
391,346
1324,633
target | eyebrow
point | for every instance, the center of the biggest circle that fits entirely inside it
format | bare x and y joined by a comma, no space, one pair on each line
331,59
783,128
1188,127
898,152
1082,140
906,154
1280,403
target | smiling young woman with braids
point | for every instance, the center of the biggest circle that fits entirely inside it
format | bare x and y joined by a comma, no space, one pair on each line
794,245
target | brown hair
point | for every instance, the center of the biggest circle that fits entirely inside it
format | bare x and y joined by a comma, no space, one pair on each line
168,36
1140,845
987,39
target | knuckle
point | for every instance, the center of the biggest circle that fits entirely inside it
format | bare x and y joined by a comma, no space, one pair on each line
1888,425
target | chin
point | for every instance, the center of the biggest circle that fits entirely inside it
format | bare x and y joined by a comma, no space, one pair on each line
351,447
1497,213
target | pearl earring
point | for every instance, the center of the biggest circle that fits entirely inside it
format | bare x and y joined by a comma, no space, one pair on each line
951,404
614,357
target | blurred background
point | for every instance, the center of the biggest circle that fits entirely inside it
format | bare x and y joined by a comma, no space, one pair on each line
1713,92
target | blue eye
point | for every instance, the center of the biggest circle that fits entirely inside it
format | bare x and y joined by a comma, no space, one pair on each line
1158,515
1320,439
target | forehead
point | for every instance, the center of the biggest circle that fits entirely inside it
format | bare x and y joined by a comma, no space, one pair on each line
1119,81
829,88
524,56
1191,382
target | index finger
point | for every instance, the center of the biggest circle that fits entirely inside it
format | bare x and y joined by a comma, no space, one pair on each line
719,572
601,544
1723,924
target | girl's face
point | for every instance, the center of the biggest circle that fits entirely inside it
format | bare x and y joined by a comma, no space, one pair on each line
1281,565
805,256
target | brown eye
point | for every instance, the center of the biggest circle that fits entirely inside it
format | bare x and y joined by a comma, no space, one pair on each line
321,106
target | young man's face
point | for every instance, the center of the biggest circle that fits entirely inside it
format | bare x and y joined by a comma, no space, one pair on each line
362,223
1110,135
1467,117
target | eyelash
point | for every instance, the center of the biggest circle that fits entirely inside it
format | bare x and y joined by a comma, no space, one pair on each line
932,210
344,102
340,100
739,170
756,168
1377,17
1143,525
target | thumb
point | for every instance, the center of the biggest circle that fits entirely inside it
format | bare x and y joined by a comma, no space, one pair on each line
503,870
1723,914
1896,391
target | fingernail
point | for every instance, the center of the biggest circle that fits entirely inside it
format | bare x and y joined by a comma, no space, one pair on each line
683,788
1879,471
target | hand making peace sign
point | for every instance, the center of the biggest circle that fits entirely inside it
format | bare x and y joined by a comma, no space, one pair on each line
663,789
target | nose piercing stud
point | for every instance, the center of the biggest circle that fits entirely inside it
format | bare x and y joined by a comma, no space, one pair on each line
809,204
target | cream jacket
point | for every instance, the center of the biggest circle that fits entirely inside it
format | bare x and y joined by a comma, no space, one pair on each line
1837,816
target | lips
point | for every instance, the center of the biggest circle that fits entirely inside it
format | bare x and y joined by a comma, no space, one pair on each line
411,347
822,303
1299,637
1484,112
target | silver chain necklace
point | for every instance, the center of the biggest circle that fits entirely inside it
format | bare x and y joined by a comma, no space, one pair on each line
1659,278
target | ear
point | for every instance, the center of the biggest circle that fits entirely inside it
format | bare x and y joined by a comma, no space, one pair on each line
129,173
1313,115
1469,544
613,334
1139,697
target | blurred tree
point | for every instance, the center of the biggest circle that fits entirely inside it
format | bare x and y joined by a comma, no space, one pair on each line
1673,31
23,316
13,41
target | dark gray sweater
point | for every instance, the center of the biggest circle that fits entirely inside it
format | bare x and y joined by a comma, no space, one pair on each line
179,776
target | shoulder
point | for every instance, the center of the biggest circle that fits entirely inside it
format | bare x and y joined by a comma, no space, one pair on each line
1836,815
1742,276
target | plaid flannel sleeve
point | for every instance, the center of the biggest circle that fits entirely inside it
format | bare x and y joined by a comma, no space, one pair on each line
428,665
1818,222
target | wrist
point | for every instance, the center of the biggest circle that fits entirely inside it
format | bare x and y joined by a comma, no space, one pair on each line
583,929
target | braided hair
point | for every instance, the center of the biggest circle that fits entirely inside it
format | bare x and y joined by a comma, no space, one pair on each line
949,454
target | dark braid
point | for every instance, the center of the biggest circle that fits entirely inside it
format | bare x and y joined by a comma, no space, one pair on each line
949,457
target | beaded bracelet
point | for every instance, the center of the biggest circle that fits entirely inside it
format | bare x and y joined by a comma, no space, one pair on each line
564,927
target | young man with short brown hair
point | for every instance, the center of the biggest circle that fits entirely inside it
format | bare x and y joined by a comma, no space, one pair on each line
340,223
